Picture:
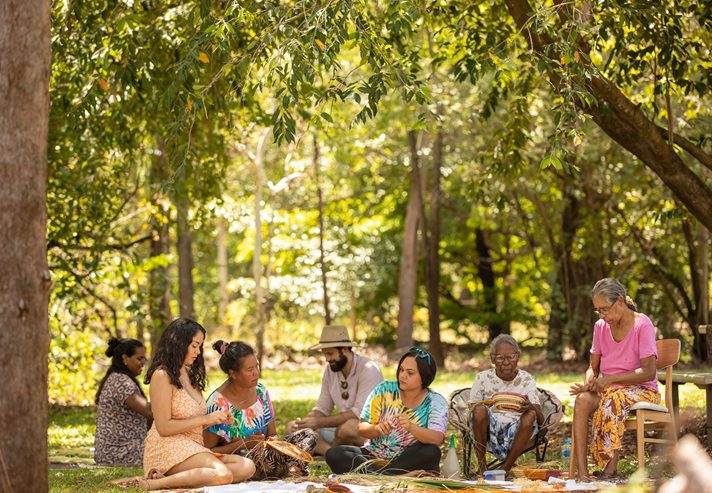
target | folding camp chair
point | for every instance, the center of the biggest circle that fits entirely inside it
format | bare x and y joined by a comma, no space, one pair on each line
459,416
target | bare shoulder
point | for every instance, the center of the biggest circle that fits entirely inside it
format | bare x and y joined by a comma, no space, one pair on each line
160,377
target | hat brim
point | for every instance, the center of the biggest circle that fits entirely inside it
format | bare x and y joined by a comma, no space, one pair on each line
326,345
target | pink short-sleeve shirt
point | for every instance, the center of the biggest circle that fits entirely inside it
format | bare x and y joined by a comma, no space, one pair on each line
625,356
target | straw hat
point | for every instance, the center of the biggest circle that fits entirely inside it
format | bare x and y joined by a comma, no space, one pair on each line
334,336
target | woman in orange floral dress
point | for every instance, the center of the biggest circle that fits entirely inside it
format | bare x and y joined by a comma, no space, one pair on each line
174,453
621,372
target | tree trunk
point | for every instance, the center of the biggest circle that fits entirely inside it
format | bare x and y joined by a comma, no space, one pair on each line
408,273
557,317
489,286
24,276
185,259
222,272
625,123
159,305
431,237
322,263
257,256
698,257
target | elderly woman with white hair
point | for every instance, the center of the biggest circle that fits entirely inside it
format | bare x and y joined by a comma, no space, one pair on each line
505,406
621,372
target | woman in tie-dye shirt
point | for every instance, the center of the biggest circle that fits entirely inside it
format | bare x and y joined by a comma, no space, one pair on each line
404,422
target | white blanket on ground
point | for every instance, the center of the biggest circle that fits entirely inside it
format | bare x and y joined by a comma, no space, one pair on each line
278,487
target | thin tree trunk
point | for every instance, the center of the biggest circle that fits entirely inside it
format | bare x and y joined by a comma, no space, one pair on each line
698,256
489,287
431,232
703,305
159,306
353,315
185,259
431,238
24,276
222,271
322,262
257,257
408,273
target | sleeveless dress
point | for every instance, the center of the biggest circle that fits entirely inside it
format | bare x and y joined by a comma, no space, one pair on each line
162,453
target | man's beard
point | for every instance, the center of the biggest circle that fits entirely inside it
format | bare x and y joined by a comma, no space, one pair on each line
339,364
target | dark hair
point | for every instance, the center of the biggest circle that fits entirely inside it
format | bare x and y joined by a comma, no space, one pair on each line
232,354
425,363
172,349
116,350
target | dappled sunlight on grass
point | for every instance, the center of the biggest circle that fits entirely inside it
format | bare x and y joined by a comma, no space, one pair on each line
89,479
294,393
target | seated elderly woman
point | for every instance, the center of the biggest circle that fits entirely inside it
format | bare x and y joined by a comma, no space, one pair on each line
505,406
621,372
403,421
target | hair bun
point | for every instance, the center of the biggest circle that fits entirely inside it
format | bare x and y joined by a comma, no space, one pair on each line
220,346
113,343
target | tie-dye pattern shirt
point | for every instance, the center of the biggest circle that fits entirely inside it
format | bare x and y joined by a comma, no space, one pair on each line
248,421
384,403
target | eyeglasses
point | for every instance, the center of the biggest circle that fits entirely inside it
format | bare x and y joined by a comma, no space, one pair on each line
500,358
421,353
602,311
344,390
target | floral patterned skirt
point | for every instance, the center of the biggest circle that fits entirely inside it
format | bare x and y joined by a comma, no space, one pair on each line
609,418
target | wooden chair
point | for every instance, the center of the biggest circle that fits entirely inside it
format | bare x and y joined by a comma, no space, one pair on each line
649,416
645,416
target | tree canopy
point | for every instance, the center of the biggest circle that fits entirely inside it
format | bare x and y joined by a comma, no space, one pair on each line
519,150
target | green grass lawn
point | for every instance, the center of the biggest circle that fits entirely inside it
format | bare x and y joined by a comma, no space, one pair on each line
294,393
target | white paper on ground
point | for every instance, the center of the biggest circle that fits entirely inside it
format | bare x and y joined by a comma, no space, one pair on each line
573,485
278,487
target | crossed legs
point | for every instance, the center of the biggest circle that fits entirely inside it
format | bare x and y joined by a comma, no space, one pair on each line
203,469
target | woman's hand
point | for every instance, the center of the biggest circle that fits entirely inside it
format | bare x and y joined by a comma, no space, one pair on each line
579,388
600,383
404,421
385,427
526,405
251,441
219,418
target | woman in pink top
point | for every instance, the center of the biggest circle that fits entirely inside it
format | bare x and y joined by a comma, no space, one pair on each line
621,372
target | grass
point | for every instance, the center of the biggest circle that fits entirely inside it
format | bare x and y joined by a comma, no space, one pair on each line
294,393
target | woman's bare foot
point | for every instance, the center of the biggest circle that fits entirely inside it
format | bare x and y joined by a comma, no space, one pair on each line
582,478
135,483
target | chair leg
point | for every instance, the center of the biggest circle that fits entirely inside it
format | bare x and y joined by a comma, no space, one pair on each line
572,461
466,453
541,449
640,438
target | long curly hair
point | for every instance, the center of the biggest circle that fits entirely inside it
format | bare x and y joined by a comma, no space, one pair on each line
116,350
172,349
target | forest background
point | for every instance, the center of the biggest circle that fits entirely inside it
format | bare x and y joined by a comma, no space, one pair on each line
432,172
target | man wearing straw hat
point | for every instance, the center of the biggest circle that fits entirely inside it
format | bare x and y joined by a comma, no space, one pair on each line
348,380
